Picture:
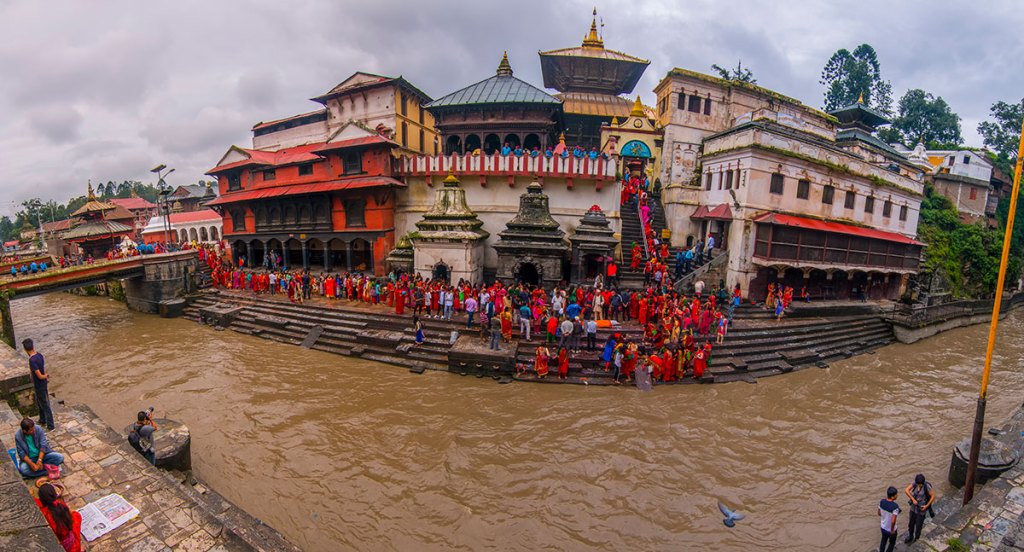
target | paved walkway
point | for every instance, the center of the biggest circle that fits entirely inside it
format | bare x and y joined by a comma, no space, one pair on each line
993,521
174,517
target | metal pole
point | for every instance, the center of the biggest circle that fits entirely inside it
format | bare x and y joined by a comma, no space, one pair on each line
979,415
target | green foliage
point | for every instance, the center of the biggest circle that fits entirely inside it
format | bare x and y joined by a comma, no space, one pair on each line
1002,133
966,253
954,544
738,74
924,118
850,75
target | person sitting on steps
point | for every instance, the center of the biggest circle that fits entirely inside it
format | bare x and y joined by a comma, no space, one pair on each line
34,452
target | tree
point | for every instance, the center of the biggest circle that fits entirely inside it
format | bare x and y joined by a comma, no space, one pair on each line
738,74
1002,133
7,228
924,118
850,76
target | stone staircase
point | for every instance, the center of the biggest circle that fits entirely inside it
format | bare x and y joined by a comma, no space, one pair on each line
757,344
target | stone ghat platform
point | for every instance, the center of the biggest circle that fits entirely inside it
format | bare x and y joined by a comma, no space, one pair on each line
98,461
757,345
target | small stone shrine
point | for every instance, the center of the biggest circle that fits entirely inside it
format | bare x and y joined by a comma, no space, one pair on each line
531,249
593,246
449,244
400,259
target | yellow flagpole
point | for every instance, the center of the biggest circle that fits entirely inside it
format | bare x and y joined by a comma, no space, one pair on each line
979,415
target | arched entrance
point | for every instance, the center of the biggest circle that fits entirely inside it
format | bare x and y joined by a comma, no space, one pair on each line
593,265
453,145
531,141
237,250
213,233
258,254
338,255
528,274
292,254
512,140
276,252
316,254
491,144
441,272
472,143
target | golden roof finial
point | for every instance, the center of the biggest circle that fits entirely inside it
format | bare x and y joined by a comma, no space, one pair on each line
561,137
638,108
860,100
92,195
592,40
615,121
450,181
504,67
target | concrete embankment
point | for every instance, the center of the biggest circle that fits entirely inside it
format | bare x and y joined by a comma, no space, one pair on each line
914,325
174,515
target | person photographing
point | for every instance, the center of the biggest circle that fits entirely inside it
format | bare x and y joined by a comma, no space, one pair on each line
140,436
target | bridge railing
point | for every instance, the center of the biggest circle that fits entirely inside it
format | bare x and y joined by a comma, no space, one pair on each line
921,315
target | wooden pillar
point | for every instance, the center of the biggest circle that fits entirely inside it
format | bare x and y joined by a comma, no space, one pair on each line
348,255
305,256
327,256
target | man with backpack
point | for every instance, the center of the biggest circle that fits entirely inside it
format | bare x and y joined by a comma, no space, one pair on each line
140,436
921,498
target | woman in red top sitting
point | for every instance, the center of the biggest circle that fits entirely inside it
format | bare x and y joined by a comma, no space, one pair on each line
67,525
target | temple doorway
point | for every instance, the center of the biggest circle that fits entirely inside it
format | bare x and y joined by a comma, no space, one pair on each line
528,274
441,273
593,265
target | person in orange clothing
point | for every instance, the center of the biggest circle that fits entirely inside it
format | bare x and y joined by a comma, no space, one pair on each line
700,363
636,257
563,363
540,363
64,522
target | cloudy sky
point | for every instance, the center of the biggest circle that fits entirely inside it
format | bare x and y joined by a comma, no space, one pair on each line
106,90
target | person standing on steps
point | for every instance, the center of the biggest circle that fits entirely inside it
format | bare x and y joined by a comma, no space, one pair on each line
40,383
495,325
921,498
888,510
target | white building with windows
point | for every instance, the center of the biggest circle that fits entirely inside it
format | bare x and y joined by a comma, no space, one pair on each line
795,196
202,226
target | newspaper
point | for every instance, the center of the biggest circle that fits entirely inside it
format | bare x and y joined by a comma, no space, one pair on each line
105,515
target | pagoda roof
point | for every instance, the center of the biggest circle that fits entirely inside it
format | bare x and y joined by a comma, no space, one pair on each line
97,229
93,205
859,114
132,203
502,88
601,105
591,67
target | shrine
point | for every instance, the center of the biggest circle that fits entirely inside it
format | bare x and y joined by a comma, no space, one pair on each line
593,246
449,244
531,249
98,232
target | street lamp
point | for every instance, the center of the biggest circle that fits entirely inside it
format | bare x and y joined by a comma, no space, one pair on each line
165,192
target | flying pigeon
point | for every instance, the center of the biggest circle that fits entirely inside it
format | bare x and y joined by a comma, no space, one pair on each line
731,517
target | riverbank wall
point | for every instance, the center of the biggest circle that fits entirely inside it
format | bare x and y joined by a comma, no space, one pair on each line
911,325
177,512
994,519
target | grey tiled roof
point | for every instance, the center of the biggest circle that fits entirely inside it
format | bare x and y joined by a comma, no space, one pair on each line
494,90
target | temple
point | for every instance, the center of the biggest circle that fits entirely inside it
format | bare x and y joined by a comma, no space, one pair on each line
499,111
591,80
98,226
789,194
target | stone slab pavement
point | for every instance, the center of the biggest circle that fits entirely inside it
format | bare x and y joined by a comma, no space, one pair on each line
992,522
173,516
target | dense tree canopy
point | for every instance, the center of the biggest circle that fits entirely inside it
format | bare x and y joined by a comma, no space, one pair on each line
922,117
1001,134
849,76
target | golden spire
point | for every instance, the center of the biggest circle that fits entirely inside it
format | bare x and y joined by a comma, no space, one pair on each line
561,137
505,68
860,100
92,195
615,121
638,108
592,40
450,181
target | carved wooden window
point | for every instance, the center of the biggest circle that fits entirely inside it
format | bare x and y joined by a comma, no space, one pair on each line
777,185
803,189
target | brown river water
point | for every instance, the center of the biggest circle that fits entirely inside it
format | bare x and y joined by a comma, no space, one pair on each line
346,454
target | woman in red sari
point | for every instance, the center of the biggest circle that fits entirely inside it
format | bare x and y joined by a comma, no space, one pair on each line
700,362
563,364
540,362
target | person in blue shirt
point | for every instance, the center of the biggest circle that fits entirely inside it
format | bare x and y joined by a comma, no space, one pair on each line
565,153
506,150
593,153
42,267
24,269
534,152
14,272
573,310
34,450
549,152
518,152
33,267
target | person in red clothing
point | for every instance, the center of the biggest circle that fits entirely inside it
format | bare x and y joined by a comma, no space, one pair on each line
563,363
66,524
540,363
636,257
700,362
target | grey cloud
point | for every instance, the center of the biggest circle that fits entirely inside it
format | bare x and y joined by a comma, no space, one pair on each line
179,82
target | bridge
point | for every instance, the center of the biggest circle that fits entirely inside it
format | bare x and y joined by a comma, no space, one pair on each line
148,280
